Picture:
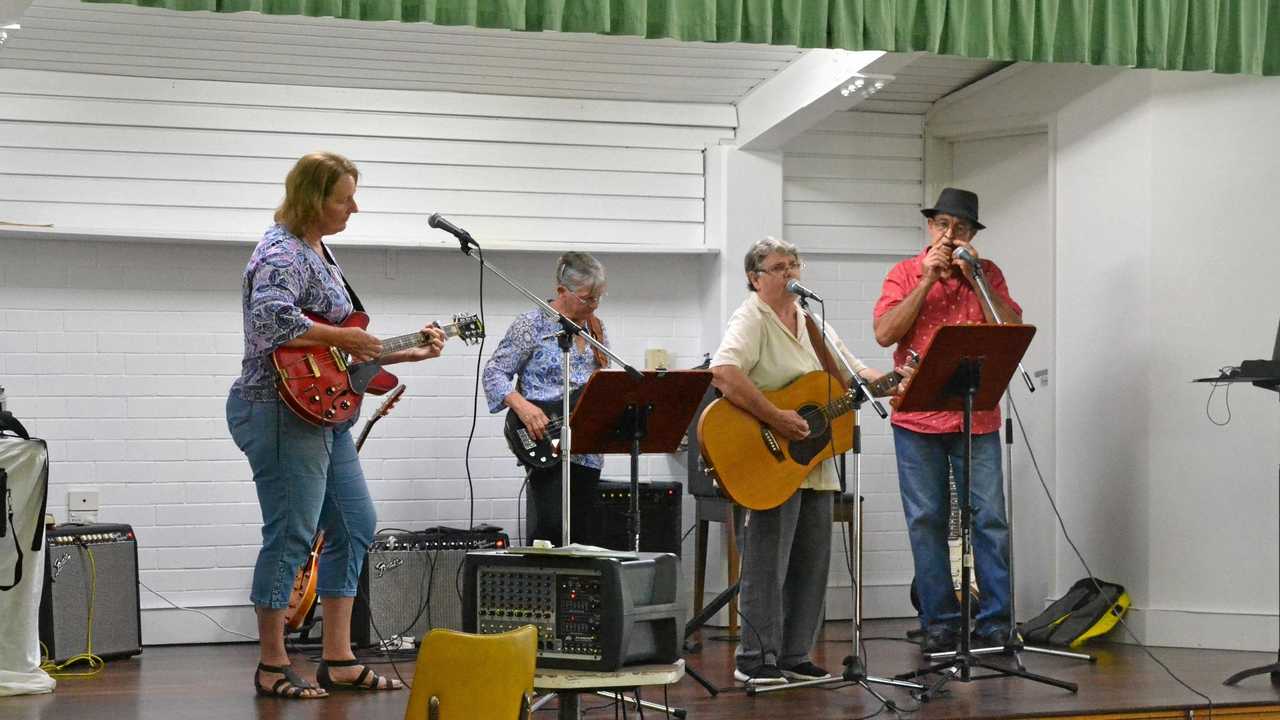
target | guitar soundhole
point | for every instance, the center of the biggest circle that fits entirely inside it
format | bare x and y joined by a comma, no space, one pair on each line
816,418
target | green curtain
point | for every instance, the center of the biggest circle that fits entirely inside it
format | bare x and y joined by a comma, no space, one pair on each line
1227,36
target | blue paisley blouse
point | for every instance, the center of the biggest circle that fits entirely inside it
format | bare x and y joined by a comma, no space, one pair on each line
523,353
284,277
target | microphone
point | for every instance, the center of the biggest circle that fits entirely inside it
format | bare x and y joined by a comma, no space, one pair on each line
795,288
965,254
437,221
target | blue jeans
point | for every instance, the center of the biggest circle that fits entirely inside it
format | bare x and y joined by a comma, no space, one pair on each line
306,477
923,463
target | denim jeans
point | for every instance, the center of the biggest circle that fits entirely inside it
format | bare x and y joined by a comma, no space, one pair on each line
306,477
923,463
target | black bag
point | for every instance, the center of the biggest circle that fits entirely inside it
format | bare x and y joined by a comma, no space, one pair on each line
1087,610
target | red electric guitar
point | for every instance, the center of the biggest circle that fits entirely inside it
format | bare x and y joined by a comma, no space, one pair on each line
323,387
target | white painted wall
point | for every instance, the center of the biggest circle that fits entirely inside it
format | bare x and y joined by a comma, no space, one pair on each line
851,192
110,156
1011,176
1163,273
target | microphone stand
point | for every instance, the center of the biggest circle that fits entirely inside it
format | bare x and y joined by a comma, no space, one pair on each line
1014,643
569,330
855,668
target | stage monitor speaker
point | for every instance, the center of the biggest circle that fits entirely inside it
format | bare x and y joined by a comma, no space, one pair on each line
411,582
660,504
91,586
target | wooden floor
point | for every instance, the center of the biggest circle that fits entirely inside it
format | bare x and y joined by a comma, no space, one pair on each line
214,682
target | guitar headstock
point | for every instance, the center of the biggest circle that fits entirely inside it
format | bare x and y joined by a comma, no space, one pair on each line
390,402
467,328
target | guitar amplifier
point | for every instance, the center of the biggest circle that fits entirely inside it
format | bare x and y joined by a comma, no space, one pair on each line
660,506
592,611
410,582
90,600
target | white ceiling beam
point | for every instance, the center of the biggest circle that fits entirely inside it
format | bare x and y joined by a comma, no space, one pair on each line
808,90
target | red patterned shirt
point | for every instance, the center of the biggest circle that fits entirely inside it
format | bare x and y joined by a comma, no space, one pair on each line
951,301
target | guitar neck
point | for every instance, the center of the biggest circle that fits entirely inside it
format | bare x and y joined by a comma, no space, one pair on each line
412,340
884,383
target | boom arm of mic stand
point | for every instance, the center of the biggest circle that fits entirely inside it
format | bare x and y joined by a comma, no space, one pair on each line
857,379
985,293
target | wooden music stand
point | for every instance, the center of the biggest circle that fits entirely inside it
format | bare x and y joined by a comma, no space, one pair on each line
619,414
967,368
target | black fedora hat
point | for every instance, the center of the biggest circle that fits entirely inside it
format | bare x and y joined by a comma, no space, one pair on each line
957,203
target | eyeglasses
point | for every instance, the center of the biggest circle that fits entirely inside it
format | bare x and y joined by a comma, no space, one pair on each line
782,268
590,299
956,228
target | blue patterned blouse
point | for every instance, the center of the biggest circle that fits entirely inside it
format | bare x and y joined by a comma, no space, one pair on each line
524,353
284,277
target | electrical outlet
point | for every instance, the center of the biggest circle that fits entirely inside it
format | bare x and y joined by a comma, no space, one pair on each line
1043,376
82,506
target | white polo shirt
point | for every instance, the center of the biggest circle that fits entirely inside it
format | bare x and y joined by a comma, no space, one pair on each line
757,342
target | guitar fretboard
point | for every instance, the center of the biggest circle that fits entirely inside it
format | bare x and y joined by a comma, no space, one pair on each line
413,340
403,342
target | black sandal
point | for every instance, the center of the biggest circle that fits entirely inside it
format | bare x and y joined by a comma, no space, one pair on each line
290,686
368,681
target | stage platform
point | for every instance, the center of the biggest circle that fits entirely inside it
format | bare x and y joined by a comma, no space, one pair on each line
214,682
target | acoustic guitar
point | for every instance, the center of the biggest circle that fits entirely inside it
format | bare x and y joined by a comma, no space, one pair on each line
324,387
758,468
303,596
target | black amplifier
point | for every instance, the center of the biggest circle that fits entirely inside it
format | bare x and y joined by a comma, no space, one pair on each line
91,592
592,611
409,584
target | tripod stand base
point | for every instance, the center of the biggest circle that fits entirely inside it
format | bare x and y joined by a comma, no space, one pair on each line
1015,648
1273,669
964,662
855,671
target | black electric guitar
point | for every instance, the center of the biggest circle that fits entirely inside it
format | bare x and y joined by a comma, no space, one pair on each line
538,454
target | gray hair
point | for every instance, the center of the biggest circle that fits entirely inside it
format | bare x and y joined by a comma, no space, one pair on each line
763,249
578,270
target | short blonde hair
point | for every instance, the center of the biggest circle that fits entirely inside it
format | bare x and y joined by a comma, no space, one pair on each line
308,185
763,249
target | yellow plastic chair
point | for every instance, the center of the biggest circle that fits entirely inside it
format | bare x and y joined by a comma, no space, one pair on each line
461,676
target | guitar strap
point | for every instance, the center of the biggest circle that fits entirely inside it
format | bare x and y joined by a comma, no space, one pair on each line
355,299
820,348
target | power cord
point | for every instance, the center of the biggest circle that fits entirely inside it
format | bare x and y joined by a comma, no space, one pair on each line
1226,398
59,670
475,400
1080,556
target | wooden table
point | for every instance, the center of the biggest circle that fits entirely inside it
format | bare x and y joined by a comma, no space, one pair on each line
568,684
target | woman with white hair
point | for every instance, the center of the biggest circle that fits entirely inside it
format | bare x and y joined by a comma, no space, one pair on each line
785,550
527,367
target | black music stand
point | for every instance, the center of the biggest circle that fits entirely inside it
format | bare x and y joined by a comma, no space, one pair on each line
966,368
618,414
1268,380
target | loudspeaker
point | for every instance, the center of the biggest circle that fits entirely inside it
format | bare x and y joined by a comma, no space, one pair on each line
410,583
659,516
90,600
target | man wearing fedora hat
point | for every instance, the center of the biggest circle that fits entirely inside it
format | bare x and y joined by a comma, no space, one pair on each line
920,295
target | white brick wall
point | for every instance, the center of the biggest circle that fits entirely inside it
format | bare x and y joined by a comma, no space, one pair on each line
104,371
